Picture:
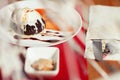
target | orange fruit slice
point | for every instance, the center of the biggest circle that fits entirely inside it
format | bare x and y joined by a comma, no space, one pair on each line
49,23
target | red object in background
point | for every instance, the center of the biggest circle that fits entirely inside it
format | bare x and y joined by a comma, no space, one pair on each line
63,72
0,74
81,63
78,57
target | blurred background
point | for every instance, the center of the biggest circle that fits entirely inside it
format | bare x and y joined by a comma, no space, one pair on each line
93,70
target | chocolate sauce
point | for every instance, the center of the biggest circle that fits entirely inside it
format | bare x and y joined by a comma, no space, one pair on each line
52,35
17,37
49,41
39,26
55,33
60,36
31,29
52,32
43,20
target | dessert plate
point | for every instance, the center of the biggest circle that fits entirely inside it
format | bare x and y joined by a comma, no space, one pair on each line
66,18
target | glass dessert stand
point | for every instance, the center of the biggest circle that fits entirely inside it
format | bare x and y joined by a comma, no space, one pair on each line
62,24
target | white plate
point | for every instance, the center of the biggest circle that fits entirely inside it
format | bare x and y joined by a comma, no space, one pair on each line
69,15
36,53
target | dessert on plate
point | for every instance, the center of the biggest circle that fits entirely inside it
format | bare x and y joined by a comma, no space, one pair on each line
35,25
28,21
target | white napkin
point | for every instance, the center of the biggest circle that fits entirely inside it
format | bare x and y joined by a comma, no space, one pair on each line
104,23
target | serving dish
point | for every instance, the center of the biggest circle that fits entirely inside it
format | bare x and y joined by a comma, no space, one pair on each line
69,22
36,53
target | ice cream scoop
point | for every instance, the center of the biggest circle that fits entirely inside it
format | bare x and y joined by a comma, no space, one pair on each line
28,21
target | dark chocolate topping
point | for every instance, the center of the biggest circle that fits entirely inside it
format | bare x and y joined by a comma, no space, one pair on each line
31,29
